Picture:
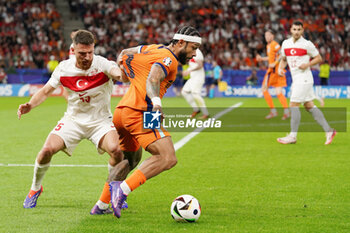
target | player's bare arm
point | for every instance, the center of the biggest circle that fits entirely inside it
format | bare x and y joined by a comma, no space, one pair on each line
156,75
118,75
129,51
260,58
282,65
199,66
36,100
313,62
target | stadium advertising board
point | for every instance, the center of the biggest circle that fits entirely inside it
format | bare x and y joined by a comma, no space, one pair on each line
31,89
332,92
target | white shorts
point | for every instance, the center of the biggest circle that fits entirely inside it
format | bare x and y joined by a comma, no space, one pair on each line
194,85
72,133
301,93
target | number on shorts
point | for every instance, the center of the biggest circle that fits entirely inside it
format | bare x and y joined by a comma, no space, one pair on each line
59,126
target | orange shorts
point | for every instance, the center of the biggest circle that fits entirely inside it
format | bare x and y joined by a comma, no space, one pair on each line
272,79
132,135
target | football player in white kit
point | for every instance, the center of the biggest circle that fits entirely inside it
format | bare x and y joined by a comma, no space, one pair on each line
296,52
89,82
193,87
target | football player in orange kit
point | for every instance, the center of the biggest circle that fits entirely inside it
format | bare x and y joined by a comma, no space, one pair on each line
272,79
151,70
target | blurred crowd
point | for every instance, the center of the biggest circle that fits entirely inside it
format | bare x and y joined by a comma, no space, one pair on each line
30,32
232,30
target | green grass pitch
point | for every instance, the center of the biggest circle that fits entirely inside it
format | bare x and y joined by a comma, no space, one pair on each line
245,182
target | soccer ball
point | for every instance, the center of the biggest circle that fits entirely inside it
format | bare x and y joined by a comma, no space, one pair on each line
185,208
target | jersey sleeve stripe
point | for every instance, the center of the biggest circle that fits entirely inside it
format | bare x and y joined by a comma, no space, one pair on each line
149,104
140,49
161,65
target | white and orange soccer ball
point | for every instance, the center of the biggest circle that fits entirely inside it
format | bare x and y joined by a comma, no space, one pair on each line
185,208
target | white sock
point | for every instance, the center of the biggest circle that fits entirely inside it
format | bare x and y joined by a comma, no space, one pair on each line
286,111
125,188
189,98
273,110
110,167
102,205
294,121
39,173
201,103
319,117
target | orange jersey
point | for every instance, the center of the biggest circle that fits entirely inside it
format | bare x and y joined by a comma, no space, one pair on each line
272,79
273,53
137,68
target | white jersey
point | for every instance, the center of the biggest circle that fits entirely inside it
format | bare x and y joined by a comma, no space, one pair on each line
193,63
89,91
299,53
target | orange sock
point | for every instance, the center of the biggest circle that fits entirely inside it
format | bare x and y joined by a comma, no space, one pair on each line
283,100
106,194
136,179
268,99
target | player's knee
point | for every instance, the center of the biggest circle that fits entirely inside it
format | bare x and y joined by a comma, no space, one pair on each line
47,151
183,92
115,151
171,161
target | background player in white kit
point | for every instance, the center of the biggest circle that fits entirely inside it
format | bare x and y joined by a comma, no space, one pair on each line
193,87
297,51
88,79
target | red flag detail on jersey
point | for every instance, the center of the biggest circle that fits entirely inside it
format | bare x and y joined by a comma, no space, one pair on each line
82,83
295,52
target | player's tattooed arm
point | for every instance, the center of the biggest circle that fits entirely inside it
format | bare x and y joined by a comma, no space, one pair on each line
130,51
155,76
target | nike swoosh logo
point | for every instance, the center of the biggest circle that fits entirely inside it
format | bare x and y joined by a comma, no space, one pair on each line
80,95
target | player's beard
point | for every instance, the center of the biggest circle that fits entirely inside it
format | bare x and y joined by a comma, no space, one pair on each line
183,57
85,64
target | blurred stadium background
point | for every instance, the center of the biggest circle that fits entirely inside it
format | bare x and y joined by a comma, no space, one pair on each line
32,32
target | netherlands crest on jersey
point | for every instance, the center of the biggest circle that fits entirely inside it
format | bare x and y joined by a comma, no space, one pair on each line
167,61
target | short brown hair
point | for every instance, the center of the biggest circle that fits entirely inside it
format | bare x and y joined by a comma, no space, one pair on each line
298,23
83,37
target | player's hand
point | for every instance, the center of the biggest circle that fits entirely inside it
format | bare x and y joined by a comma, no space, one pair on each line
272,65
185,73
258,58
23,109
281,72
158,108
304,66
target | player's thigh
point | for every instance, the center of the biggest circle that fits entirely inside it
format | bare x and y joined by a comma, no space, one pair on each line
187,86
163,146
300,93
279,90
69,132
53,143
109,142
126,121
99,139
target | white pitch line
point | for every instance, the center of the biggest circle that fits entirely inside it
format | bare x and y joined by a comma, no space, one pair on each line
177,145
52,165
191,135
